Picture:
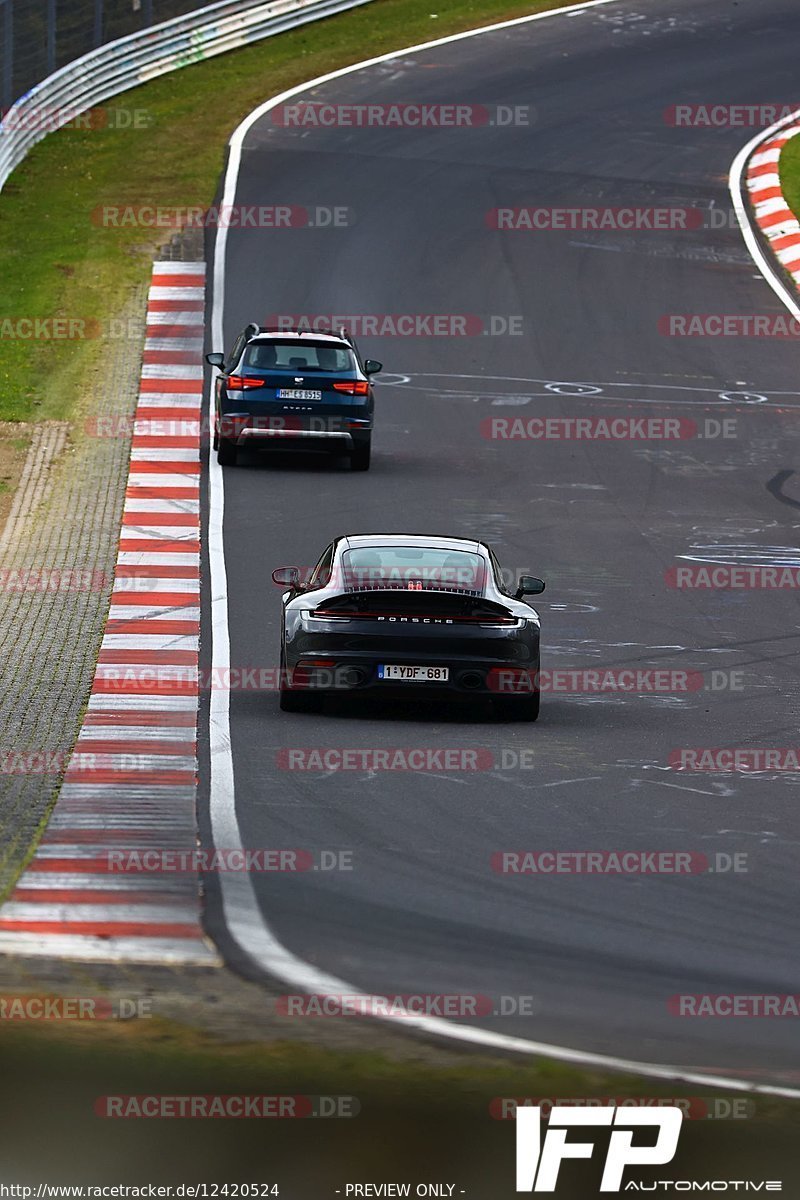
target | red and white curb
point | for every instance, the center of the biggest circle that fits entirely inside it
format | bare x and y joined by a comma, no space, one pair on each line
772,213
132,778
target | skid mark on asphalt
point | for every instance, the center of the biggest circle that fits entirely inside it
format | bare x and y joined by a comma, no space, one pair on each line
776,485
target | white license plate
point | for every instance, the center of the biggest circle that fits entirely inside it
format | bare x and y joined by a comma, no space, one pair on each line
298,394
414,674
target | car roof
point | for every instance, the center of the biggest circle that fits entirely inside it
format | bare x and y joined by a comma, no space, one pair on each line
291,335
434,541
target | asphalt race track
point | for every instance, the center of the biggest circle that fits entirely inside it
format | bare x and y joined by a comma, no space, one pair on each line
603,522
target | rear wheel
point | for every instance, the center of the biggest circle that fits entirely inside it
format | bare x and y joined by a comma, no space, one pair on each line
300,701
517,708
360,456
226,452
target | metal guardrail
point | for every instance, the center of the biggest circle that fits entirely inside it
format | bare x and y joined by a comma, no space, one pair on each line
39,36
141,56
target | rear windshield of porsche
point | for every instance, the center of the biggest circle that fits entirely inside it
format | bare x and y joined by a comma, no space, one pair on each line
302,356
416,568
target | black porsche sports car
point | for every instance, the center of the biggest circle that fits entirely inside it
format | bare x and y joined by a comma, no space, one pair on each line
395,613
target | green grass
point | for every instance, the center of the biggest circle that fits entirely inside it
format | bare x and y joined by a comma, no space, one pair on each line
790,174
55,262
417,1120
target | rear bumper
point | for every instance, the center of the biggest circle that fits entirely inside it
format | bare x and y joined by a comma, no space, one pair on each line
332,430
304,437
481,658
467,675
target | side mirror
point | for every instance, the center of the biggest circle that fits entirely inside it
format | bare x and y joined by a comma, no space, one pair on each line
286,576
529,585
372,366
215,360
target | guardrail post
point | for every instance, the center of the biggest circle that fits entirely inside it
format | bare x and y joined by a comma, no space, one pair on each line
98,23
8,53
51,36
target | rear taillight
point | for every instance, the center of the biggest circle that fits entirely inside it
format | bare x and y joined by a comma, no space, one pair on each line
306,674
354,387
241,383
412,618
514,681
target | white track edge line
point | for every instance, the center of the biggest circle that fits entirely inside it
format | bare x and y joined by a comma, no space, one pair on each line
241,911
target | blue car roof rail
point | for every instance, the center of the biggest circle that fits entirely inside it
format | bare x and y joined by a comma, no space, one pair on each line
254,330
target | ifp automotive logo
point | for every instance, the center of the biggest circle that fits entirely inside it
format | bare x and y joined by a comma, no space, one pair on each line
539,1160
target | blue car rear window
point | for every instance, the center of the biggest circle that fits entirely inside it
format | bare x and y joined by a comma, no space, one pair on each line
298,356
